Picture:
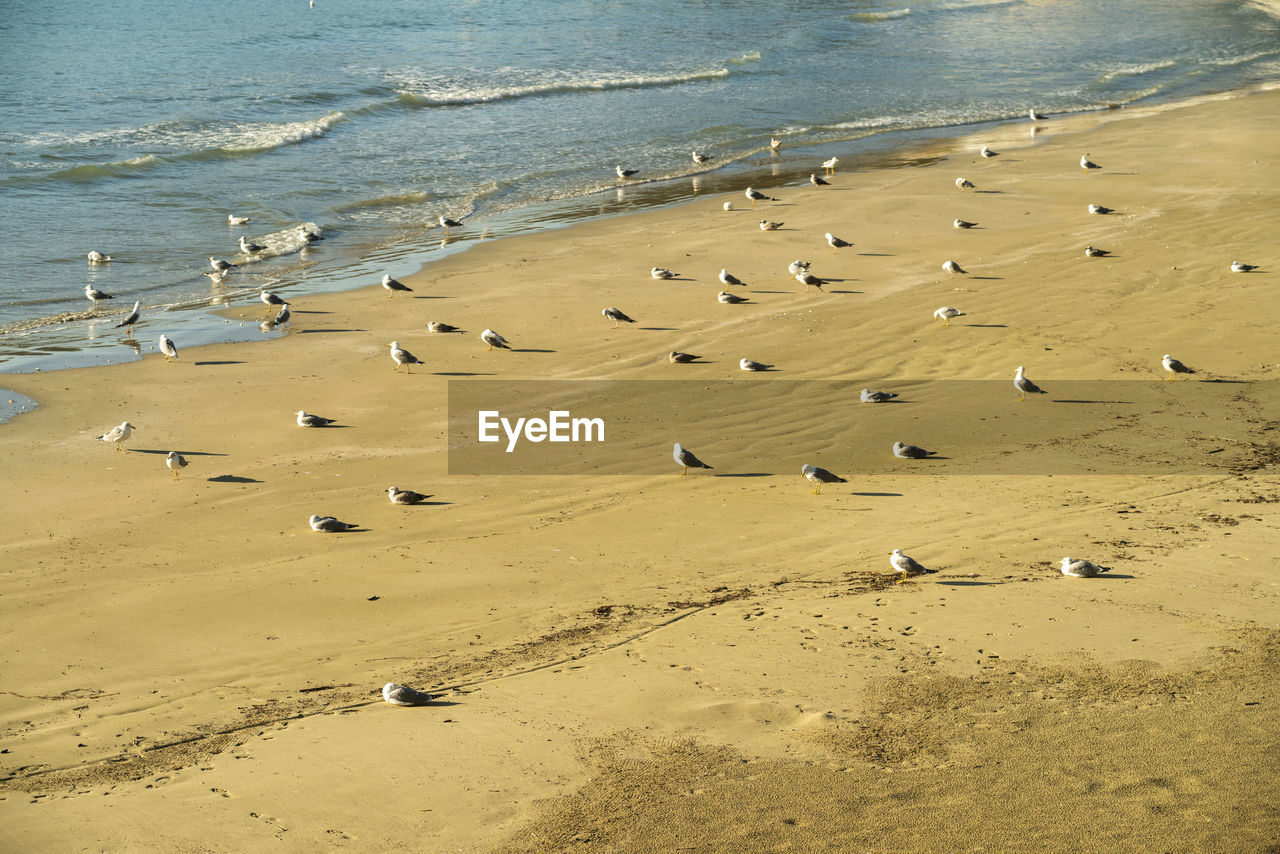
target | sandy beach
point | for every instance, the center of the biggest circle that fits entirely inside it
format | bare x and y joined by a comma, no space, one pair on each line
716,662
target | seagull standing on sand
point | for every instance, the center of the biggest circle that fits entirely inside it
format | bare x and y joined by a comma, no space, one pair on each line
1034,116
946,313
392,285
1099,209
615,315
1174,367
766,225
953,267
986,152
911,452
836,243
94,294
232,219
96,257
804,277
748,365
493,339
176,462
797,266
1024,385
167,347
403,357
906,565
282,316
399,695
449,223
1236,267
727,278
730,299
118,435
270,300
963,223
818,182
624,173
869,396
964,184
662,273
754,195
830,165
405,496
329,525
686,460
678,358
129,321
1086,163
1082,568
306,419
818,476
248,247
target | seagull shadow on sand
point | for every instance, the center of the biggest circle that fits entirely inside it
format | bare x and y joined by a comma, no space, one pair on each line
224,362
432,296
877,254
658,328
530,350
984,325
988,278
184,453
231,478
745,474
878,494
327,331
1077,400
991,192
967,583
463,373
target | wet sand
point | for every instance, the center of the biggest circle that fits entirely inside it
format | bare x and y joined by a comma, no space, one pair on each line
710,663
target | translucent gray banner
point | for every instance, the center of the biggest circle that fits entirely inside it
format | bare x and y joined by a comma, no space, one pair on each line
762,426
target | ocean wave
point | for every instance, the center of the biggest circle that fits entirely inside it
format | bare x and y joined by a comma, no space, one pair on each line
1230,61
415,197
255,137
88,172
427,93
966,5
753,56
1136,70
875,17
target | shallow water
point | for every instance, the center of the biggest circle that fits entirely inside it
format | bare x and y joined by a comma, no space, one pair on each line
137,132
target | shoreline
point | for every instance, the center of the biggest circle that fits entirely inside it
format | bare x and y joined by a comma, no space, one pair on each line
721,657
895,149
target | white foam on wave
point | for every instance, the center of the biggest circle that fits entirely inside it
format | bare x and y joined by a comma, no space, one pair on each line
876,17
1230,61
432,91
1137,69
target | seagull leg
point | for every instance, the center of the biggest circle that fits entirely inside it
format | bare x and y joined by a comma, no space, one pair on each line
684,471
817,488
1022,396
175,474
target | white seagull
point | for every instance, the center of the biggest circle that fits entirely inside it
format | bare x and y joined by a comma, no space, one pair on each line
437,326
830,165
804,277
946,313
1236,267
248,247
818,182
911,452
270,300
964,184
1092,252
403,357
615,314
1086,163
1099,209
449,223
330,525
836,243
869,396
1082,568
727,278
662,273
766,225
730,299
798,266
1174,367
686,460
237,220
167,347
493,339
1035,117
963,223
988,153
176,462
392,285
624,173
96,257
405,496
218,265
94,294
129,321
1024,385
700,158
678,358
748,365
399,695
818,476
727,206
118,435
906,565
282,316
306,419
754,195
952,267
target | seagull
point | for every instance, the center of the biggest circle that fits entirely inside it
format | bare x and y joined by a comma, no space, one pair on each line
282,316
249,247
1024,385
175,461
1086,163
403,357
399,695
269,299
615,315
1035,117
393,285
748,365
118,435
774,142
305,419
1174,367
836,243
131,319
662,273
677,358
329,525
624,173
449,223
726,278
818,476
963,223
753,195
830,165
869,396
218,265
988,153
1091,252
94,294
906,565
804,277
167,347
405,496
730,299
1236,267
1099,209
766,225
1082,568
687,460
493,339
910,452
96,257
946,313
727,206
818,182
700,158
237,220
964,184
952,267
798,266
437,326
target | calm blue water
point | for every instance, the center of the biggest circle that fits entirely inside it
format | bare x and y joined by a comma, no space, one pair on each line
135,127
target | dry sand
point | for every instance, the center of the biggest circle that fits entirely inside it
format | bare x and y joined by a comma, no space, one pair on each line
701,663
